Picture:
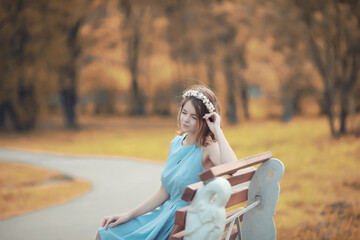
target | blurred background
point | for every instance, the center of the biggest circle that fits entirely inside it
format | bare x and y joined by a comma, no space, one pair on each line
265,59
75,74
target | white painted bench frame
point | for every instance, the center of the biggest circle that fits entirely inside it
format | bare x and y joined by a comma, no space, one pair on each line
253,222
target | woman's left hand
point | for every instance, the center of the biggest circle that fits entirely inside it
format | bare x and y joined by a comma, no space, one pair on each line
213,120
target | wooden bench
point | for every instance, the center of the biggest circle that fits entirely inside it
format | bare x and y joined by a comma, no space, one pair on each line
259,187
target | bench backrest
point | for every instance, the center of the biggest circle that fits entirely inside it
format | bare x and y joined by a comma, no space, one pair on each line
250,184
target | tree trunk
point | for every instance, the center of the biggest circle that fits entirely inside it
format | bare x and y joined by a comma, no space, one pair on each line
344,108
329,106
346,92
68,77
138,101
327,76
231,110
23,108
288,109
68,94
343,116
68,99
2,115
244,97
288,98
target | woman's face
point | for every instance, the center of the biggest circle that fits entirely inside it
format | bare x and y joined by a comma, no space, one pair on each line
188,118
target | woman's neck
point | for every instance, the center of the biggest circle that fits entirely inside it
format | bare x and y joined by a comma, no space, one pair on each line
189,140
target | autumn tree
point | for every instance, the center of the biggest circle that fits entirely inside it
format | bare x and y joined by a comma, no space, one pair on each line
209,32
333,32
191,38
329,30
18,85
66,20
233,34
279,25
40,52
133,28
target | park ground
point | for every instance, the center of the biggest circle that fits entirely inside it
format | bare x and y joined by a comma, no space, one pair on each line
320,190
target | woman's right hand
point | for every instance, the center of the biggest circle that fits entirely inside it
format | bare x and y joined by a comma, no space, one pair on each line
159,197
115,220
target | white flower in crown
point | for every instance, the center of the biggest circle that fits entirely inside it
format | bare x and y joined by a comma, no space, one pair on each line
208,104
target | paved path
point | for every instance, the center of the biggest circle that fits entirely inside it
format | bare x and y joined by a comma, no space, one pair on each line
118,184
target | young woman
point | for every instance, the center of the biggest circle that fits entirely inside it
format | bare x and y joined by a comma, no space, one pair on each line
200,145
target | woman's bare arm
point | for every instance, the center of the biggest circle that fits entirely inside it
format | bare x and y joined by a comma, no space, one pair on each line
220,152
159,197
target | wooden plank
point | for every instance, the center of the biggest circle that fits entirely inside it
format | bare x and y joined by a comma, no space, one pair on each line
238,196
177,236
190,190
239,177
180,216
180,235
175,232
232,235
232,167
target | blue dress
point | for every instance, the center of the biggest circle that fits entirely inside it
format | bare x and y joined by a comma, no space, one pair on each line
181,169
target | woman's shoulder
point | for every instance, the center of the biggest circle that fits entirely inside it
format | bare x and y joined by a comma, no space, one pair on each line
176,140
177,137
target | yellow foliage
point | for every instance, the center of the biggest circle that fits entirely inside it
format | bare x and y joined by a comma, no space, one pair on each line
26,188
16,174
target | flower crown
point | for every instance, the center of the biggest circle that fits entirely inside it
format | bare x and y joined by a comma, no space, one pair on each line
208,104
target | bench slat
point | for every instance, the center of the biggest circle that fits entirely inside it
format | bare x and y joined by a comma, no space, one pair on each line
232,167
239,177
190,190
238,196
232,235
180,216
177,236
180,235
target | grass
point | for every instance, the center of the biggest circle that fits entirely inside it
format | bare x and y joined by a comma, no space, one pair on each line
26,188
320,171
138,138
